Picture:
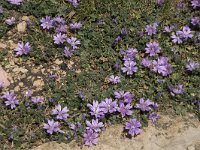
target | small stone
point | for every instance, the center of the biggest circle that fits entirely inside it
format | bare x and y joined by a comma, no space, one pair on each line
29,77
25,18
38,83
16,69
35,71
70,64
78,71
21,27
23,76
58,62
23,70
21,84
16,88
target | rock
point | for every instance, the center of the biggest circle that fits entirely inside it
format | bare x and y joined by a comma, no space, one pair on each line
181,135
52,146
4,77
21,27
23,70
16,89
25,18
38,83
21,84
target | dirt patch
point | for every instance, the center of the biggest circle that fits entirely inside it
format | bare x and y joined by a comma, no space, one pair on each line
175,133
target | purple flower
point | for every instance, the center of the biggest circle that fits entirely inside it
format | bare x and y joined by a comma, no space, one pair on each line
37,100
75,127
173,49
144,105
116,41
76,25
168,29
52,126
53,76
131,52
81,95
162,66
95,125
10,21
73,42
59,38
198,104
177,38
95,109
22,49
119,94
75,3
11,99
124,32
1,9
192,65
28,93
116,66
125,109
153,117
160,2
61,28
195,21
62,114
146,62
195,3
153,48
187,33
114,79
140,33
46,22
151,29
127,97
180,5
129,67
133,126
15,2
59,20
68,52
176,90
90,137
154,105
108,105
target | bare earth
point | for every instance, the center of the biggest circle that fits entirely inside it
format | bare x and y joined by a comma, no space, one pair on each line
170,133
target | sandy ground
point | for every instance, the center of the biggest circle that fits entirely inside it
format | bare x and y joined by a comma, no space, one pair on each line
170,133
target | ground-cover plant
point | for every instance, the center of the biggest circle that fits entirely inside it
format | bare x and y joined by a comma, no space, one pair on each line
123,60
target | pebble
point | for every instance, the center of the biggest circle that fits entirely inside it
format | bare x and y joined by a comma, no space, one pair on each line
21,27
16,88
21,84
38,83
58,62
